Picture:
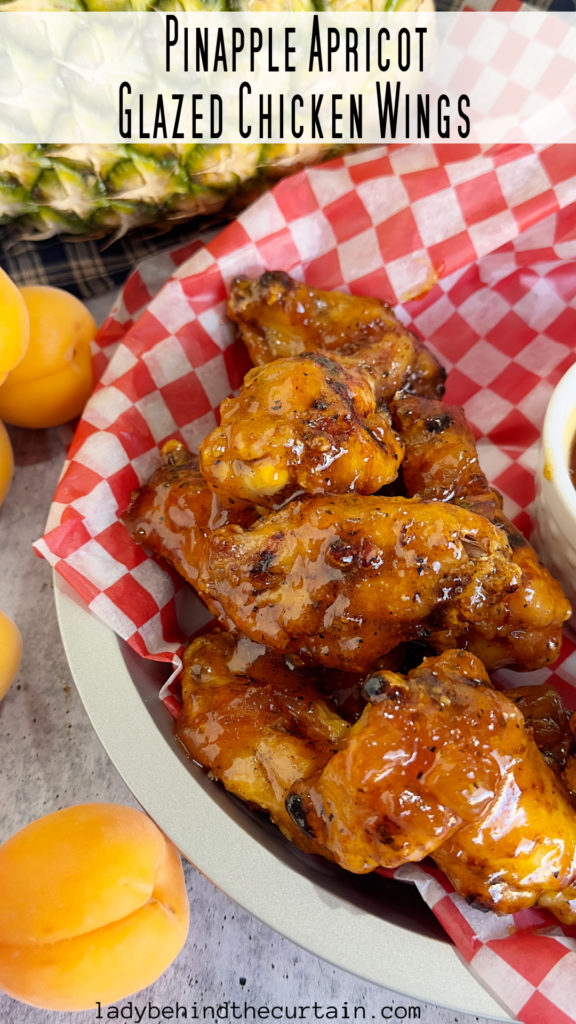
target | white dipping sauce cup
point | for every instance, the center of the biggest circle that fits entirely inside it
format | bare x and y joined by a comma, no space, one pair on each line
555,503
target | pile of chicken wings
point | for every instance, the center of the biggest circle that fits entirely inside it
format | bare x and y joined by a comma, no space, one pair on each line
365,579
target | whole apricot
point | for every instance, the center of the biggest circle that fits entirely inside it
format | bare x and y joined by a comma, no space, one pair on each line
93,909
10,653
53,381
14,325
6,462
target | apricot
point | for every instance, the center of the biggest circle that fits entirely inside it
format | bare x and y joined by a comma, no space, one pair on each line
6,462
14,325
93,909
10,653
53,381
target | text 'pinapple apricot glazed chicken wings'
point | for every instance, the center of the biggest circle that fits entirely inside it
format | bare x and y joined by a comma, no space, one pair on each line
338,525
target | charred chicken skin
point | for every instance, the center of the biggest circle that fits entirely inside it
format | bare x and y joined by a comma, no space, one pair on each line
553,728
301,425
325,582
441,463
255,722
279,317
320,581
440,763
337,582
341,581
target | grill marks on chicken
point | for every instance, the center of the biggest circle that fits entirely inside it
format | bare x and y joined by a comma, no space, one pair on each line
279,317
300,425
439,763
441,463
332,582
341,581
441,458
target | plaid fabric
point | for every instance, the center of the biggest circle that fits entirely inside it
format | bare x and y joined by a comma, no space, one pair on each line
87,267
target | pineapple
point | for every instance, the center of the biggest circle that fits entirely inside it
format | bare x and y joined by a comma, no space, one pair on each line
100,190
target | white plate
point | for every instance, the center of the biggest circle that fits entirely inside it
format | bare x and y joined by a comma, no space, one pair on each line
378,929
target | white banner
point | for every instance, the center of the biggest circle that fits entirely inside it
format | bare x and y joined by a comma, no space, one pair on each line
257,77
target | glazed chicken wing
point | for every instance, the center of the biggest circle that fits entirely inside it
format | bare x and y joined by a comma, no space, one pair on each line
441,463
341,581
172,515
300,425
553,728
544,713
256,723
440,763
279,317
442,460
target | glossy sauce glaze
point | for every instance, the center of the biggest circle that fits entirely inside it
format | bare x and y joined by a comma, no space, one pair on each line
278,317
256,722
439,763
436,761
341,581
174,513
301,425
441,463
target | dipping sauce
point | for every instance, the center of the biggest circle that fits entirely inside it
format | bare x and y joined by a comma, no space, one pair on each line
572,461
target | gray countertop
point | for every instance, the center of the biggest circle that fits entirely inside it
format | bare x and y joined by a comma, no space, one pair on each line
51,758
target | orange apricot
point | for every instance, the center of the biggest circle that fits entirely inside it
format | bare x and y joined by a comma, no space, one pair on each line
14,325
94,907
10,653
6,462
53,381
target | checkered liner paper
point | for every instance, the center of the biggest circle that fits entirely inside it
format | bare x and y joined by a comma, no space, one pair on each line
479,250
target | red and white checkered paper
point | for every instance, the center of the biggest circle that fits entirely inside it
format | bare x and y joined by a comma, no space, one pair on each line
480,250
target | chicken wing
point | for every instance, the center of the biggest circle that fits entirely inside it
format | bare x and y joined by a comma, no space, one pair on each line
441,463
279,317
341,581
441,459
440,763
553,728
255,722
172,515
300,425
544,713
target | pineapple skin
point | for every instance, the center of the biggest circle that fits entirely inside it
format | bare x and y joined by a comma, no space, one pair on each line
94,191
